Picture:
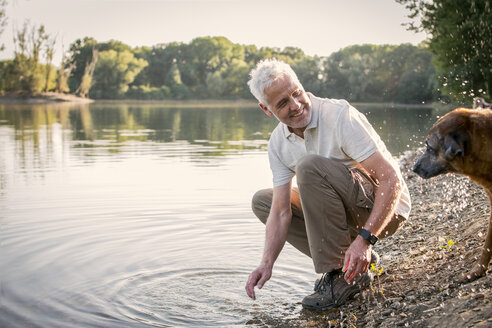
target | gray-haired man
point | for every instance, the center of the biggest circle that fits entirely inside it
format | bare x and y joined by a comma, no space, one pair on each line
350,190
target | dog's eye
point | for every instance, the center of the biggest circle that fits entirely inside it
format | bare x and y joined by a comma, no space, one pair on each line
429,148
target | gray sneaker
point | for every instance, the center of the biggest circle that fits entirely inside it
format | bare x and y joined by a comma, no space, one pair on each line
332,290
375,259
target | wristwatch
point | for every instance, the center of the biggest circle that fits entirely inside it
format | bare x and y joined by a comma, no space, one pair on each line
367,235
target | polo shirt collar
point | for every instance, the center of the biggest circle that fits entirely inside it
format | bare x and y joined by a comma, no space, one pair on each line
314,116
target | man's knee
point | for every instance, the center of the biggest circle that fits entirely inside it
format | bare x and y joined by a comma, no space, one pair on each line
261,203
315,167
307,167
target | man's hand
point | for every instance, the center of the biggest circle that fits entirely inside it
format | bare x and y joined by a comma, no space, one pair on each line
258,277
357,259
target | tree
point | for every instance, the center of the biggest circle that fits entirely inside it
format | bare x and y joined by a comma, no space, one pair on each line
3,19
460,32
178,89
308,70
27,73
207,55
162,59
215,84
49,52
401,73
86,80
113,73
417,83
348,72
81,54
63,74
236,77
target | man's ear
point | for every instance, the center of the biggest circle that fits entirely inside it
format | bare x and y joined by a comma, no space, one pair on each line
265,109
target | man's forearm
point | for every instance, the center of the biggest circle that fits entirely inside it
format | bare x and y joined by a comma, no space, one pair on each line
275,236
385,201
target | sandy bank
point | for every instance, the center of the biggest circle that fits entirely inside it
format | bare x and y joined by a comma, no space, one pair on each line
41,98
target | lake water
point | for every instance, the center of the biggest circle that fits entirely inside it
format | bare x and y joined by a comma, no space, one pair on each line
121,215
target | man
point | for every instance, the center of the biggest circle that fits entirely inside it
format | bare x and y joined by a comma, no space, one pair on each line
350,190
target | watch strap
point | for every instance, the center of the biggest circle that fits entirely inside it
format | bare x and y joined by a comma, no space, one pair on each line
366,234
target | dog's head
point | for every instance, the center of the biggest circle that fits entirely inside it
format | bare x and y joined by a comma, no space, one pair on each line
446,145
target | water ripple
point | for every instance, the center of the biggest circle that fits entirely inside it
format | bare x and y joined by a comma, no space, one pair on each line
186,297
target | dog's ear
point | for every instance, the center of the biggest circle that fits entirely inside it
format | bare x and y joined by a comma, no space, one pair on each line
454,144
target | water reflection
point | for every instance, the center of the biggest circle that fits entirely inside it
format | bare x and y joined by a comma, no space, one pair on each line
121,123
400,128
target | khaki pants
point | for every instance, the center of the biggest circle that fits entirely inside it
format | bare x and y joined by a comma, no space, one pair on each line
329,208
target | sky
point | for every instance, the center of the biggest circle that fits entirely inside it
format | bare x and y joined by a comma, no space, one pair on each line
318,27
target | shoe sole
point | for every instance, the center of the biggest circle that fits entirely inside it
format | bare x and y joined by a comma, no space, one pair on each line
362,284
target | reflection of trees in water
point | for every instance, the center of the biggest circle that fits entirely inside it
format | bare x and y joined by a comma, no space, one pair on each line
124,122
38,128
34,139
86,120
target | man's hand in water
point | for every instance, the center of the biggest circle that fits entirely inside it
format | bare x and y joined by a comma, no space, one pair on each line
258,278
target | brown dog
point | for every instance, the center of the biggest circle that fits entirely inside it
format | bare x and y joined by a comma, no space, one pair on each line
461,142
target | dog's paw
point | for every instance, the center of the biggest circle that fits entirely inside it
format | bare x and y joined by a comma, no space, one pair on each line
476,272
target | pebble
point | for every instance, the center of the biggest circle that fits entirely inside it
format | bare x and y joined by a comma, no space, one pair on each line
479,296
387,312
410,298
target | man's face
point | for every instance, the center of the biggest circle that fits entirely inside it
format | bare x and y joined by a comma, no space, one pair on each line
288,102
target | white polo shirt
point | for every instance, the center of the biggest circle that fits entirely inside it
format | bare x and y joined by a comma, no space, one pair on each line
337,131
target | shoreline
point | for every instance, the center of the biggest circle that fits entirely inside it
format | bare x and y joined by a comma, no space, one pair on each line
42,98
53,97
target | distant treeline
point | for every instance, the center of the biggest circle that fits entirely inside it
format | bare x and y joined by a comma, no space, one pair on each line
216,68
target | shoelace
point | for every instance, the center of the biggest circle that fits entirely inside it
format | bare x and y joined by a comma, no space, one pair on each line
327,279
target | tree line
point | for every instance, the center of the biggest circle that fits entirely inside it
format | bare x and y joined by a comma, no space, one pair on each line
216,68
450,67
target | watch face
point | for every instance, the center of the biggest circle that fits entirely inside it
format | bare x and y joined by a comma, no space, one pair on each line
373,239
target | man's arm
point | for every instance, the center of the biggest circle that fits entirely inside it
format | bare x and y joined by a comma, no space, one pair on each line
277,225
388,193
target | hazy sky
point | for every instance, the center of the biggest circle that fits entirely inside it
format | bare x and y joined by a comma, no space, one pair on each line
319,27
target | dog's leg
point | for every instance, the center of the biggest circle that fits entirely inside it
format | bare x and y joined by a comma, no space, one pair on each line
480,268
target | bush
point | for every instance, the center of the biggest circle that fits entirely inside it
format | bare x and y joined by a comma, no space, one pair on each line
144,92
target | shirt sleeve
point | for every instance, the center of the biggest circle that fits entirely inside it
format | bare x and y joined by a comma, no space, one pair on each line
281,173
357,137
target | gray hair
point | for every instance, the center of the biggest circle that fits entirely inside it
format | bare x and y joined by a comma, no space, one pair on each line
265,73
